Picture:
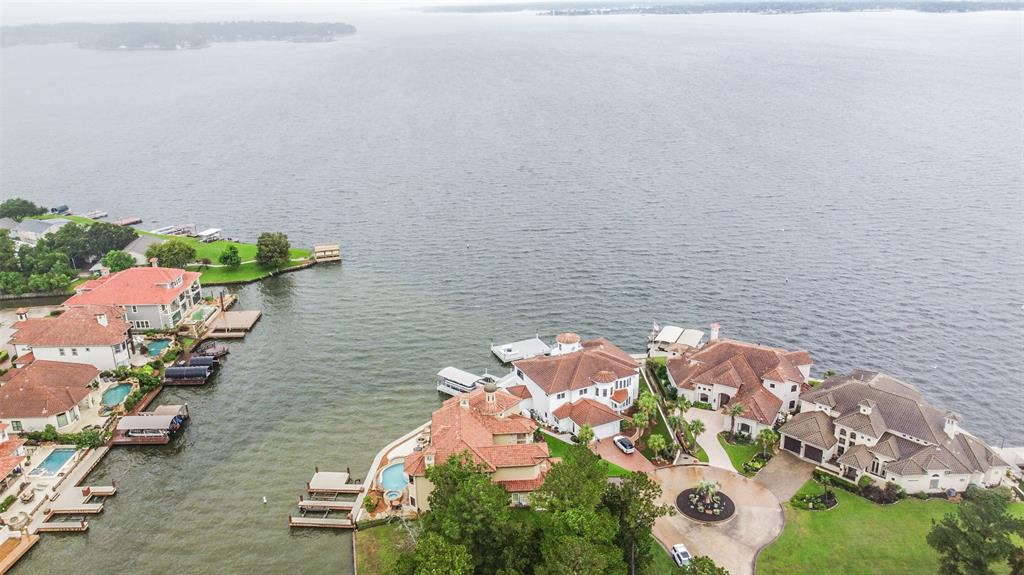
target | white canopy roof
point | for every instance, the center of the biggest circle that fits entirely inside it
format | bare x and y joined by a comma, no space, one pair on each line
691,337
458,376
140,422
669,334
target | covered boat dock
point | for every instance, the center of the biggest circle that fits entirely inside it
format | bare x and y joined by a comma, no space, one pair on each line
454,381
524,349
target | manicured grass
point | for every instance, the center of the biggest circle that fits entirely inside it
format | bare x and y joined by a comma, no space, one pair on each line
244,273
658,427
739,453
559,448
378,548
698,451
661,562
858,537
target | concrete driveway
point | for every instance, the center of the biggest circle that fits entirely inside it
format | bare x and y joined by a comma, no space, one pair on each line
734,544
785,474
633,462
714,422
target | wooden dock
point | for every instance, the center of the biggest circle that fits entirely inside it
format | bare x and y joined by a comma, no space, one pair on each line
323,522
327,489
62,526
327,253
233,324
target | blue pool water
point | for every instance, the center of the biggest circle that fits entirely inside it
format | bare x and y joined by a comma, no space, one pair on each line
116,394
157,346
393,478
53,462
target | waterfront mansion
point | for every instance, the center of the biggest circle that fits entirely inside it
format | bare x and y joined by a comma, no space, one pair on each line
766,381
486,425
871,424
580,383
92,334
152,297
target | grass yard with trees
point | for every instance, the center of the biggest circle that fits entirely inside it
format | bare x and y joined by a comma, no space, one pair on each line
859,537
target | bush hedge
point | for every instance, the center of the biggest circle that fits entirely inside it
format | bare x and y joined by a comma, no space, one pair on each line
82,439
6,503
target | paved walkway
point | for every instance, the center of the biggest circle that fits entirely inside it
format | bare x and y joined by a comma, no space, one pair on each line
785,474
633,462
734,544
714,422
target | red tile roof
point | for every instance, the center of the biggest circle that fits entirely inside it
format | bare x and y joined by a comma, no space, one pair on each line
620,396
44,388
568,338
578,369
24,360
587,412
133,286
523,485
520,391
76,326
741,366
457,428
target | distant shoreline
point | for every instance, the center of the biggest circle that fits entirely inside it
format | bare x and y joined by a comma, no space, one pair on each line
156,36
793,7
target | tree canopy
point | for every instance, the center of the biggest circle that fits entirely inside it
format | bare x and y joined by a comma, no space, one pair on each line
174,253
272,249
17,209
978,536
634,505
117,260
229,257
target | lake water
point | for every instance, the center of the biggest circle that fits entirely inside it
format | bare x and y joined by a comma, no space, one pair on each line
847,183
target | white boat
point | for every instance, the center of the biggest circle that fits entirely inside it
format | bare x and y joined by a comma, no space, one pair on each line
524,349
454,381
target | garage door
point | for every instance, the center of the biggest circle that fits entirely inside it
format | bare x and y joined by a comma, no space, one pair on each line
792,445
812,453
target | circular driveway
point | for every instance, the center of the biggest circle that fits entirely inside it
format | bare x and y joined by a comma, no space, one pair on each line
733,545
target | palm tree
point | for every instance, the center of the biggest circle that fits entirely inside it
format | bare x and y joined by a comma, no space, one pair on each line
657,443
696,428
733,410
707,489
674,422
684,404
767,438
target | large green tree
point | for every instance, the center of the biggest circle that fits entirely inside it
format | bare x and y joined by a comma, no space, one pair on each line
72,240
634,504
272,249
117,260
578,482
8,255
469,509
978,536
230,258
436,556
174,253
18,209
104,237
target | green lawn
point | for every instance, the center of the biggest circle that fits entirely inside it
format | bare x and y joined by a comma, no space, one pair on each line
662,562
658,427
739,453
698,450
215,276
559,448
377,548
858,537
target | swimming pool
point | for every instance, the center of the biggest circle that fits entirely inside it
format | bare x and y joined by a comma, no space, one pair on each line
203,312
157,346
53,462
393,481
116,394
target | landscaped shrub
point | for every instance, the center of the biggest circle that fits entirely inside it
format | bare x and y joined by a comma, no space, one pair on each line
7,502
921,495
171,354
821,476
891,494
3,355
864,482
82,439
703,405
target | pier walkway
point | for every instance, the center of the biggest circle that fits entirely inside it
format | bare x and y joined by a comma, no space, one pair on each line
69,497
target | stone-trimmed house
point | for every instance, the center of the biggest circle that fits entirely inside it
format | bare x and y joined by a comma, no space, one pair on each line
580,383
95,335
152,297
486,424
871,424
766,381
47,392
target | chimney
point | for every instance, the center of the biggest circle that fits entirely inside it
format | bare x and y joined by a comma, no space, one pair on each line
22,314
951,426
464,402
104,271
865,406
101,318
714,331
154,262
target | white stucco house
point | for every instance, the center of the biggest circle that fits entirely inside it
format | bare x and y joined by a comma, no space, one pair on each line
91,334
580,383
151,297
871,424
47,393
766,381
